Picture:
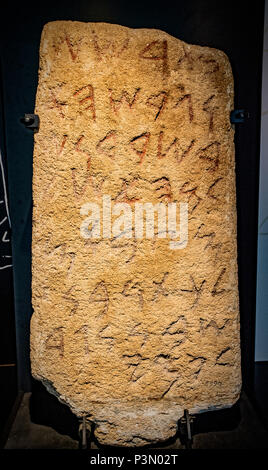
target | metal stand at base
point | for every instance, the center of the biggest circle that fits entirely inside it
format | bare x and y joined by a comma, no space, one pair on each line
186,429
85,434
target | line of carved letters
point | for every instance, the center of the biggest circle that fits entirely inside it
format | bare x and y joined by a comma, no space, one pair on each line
139,145
177,329
156,52
158,102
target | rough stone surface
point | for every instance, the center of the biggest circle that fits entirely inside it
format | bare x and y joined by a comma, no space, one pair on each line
128,331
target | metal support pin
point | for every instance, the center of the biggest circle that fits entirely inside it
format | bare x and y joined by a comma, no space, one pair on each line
185,428
85,429
84,434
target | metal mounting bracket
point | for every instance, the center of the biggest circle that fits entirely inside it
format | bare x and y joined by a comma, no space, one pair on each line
85,434
31,121
238,116
186,429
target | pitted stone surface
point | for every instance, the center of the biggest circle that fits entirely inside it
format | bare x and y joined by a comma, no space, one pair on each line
128,331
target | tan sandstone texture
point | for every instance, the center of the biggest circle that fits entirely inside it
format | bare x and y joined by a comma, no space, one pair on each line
128,331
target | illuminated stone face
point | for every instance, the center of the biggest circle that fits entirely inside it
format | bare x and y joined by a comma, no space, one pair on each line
130,330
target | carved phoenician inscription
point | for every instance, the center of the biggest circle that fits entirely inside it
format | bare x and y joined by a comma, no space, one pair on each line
135,295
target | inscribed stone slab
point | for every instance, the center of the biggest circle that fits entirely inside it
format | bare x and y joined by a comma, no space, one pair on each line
129,331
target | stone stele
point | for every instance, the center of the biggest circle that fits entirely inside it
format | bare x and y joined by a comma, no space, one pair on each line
128,331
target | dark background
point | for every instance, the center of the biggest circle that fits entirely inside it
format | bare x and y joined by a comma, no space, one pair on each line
8,371
231,26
